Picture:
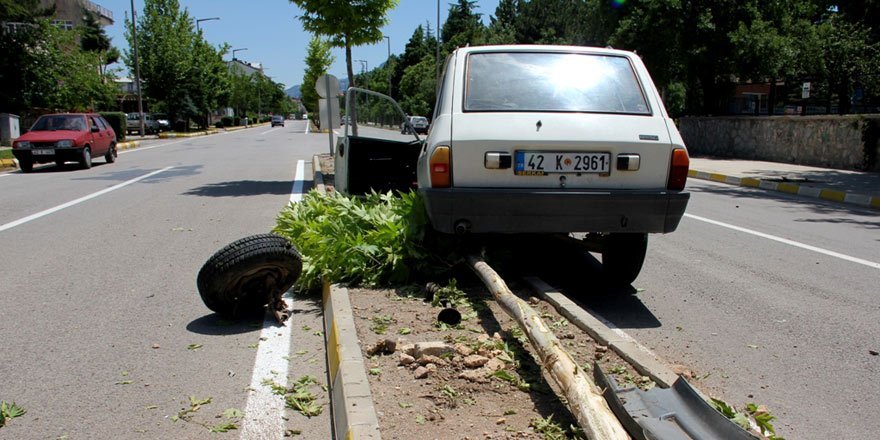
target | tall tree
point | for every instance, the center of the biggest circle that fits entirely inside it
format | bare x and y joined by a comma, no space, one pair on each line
94,39
318,60
346,23
463,26
179,69
23,30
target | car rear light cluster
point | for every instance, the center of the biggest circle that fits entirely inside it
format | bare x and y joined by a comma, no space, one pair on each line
678,170
441,170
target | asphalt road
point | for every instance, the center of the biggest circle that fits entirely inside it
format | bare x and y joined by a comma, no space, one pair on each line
99,312
767,298
764,321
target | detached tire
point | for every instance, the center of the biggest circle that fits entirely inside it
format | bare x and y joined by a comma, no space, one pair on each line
622,258
248,273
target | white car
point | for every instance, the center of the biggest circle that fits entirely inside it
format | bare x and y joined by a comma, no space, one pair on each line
543,139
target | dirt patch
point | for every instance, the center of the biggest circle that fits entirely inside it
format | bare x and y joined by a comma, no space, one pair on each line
479,379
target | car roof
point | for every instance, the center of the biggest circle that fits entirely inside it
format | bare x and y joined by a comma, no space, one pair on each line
543,48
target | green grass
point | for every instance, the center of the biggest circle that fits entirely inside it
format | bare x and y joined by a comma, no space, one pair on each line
6,154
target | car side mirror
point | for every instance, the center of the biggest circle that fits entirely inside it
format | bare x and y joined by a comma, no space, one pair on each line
95,129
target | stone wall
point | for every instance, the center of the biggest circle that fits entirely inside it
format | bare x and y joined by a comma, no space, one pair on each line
843,142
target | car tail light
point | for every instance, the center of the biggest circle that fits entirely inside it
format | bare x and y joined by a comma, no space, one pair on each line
441,172
678,171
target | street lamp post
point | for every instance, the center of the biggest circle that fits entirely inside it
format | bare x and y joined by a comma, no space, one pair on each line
388,64
137,67
199,31
199,20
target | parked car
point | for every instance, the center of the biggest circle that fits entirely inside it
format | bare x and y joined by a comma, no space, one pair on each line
540,139
163,121
133,124
66,137
417,123
278,120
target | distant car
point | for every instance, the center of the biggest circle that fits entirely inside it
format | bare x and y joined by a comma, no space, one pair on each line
278,120
418,123
66,137
133,124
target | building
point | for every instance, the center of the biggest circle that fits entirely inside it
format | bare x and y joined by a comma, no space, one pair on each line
69,13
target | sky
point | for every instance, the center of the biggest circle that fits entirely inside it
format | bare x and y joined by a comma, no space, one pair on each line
271,32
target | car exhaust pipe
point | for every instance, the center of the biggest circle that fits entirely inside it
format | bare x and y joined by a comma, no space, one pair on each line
462,227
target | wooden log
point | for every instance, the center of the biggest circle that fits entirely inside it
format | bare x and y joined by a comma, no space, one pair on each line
583,397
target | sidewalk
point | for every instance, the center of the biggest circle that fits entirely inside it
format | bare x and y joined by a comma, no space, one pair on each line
851,187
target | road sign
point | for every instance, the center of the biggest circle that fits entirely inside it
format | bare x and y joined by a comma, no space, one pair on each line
805,90
327,85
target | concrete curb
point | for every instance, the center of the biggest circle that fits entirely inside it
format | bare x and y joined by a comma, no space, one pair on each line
319,174
791,188
646,362
8,163
172,135
351,403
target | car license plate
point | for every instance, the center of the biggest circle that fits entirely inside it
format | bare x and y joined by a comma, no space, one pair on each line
42,152
541,163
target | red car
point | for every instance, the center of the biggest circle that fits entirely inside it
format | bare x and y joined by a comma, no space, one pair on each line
64,137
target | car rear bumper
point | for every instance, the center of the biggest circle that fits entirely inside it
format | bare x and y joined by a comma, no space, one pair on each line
65,154
482,210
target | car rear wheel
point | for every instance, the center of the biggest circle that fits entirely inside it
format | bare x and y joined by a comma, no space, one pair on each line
622,257
85,160
110,157
247,274
26,165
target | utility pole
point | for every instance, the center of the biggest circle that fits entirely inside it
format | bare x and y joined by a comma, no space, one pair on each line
199,31
137,68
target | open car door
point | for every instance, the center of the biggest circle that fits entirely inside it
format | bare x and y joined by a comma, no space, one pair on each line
372,154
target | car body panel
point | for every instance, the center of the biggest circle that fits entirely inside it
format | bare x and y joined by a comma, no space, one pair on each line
490,199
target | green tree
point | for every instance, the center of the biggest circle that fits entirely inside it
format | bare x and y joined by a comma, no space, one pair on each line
463,26
346,23
418,88
180,71
23,51
318,60
849,56
94,39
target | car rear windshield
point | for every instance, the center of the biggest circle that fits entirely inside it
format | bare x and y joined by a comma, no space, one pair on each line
60,122
564,82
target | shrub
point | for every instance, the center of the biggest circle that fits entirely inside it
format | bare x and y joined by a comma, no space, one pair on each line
226,121
372,240
218,124
118,121
236,121
181,126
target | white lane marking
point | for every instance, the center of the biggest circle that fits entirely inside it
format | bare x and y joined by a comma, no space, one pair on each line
308,126
270,130
296,193
78,201
264,410
788,242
